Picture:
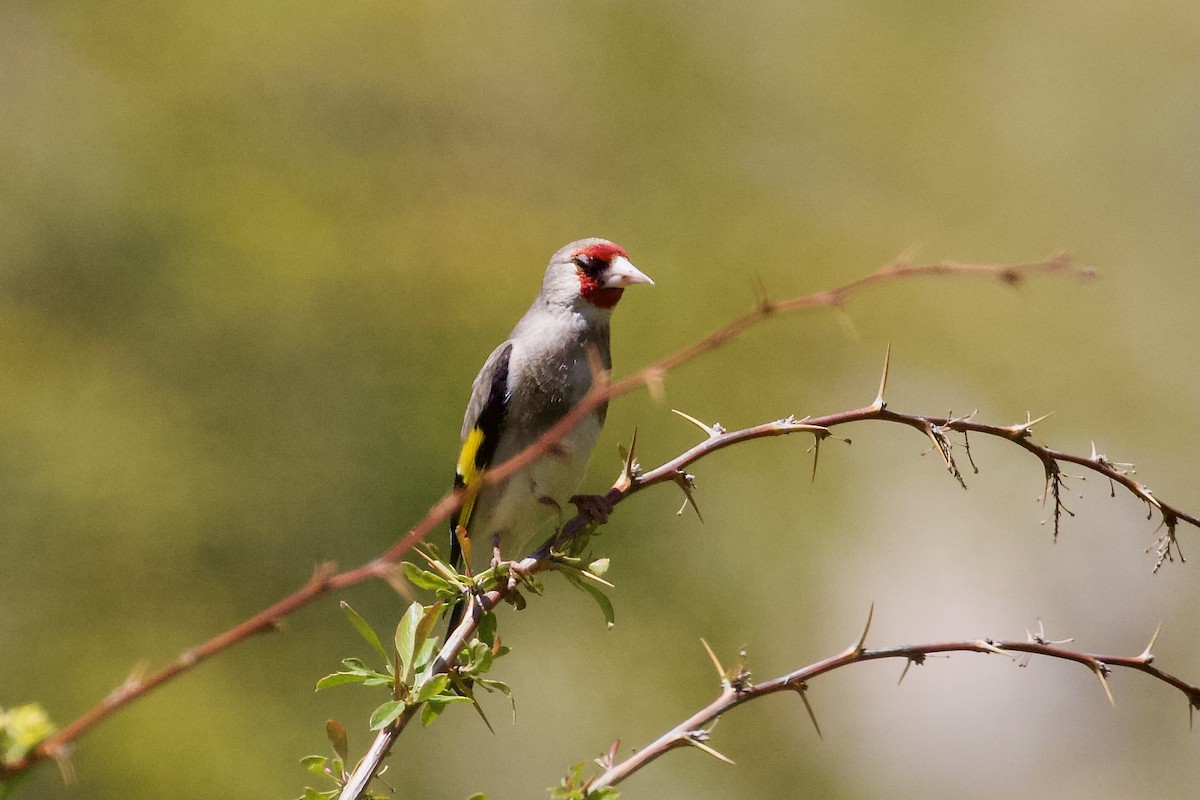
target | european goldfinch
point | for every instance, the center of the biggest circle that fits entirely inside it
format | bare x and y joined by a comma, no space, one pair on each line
527,384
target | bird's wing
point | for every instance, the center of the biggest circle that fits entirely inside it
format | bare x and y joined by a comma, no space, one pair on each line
481,429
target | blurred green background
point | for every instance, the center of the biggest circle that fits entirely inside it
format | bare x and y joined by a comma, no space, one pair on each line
252,255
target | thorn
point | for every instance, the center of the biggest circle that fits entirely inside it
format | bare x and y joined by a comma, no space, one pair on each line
654,382
847,323
1098,668
394,576
1040,636
1031,422
1024,430
693,739
135,677
880,404
816,457
687,483
629,468
740,673
906,257
761,301
967,447
587,573
802,690
323,572
862,640
983,644
613,751
716,663
1146,655
904,671
712,431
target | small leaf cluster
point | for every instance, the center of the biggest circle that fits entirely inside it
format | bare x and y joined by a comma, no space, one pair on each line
406,666
22,728
575,787
585,579
332,768
418,682
409,675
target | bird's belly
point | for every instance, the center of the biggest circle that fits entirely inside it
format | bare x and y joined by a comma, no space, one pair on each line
521,506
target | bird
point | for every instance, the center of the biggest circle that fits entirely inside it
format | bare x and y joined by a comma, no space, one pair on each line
528,383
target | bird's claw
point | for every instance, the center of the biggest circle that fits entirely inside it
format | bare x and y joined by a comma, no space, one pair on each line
496,559
593,507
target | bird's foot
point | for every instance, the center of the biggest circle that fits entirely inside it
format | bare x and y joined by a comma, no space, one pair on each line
593,507
496,559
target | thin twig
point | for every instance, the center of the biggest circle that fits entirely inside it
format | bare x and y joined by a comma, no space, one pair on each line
797,681
326,579
716,438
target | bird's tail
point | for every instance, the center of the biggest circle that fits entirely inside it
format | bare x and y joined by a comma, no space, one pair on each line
456,561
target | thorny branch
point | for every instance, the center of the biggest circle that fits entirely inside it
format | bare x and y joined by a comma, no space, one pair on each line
736,689
326,578
633,480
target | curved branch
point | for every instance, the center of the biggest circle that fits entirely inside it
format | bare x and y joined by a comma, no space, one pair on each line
935,428
717,438
737,689
327,579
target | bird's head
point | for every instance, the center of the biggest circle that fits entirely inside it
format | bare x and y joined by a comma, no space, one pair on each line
590,274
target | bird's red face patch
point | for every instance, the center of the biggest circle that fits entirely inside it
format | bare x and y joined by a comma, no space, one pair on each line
605,251
590,265
591,290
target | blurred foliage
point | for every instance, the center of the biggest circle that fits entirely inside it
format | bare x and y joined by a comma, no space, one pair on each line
252,254
21,729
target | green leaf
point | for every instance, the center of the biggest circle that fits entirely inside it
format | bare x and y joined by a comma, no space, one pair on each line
338,678
313,794
502,688
332,794
497,686
364,630
430,712
357,665
356,672
336,733
432,687
434,707
380,680
486,632
424,579
315,765
386,714
428,620
406,640
478,796
479,659
600,597
425,653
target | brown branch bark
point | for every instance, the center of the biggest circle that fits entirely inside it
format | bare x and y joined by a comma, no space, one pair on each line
737,689
327,579
630,482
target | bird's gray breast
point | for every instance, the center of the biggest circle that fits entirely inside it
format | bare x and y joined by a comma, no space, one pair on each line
553,362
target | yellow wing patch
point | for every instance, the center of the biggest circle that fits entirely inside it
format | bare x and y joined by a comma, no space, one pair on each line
468,471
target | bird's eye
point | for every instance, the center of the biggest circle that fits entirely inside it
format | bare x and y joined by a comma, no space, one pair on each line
588,263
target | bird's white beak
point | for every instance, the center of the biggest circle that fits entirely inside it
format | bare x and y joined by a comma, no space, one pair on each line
622,273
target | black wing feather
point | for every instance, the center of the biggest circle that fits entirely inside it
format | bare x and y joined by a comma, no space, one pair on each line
490,395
